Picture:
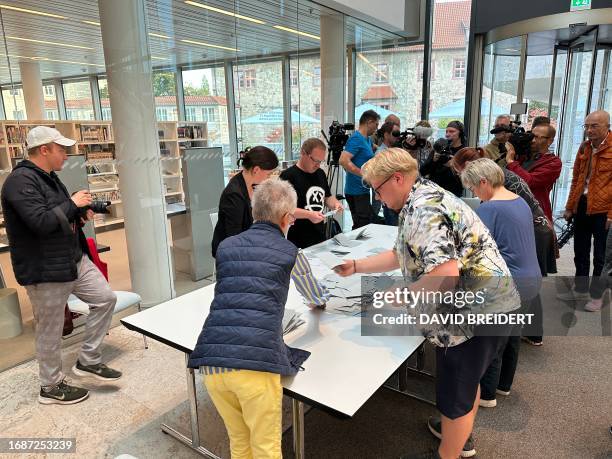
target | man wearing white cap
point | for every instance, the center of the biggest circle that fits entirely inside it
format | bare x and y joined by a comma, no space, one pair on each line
43,225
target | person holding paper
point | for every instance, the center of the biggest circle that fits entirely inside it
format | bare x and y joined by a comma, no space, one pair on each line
313,193
440,239
241,349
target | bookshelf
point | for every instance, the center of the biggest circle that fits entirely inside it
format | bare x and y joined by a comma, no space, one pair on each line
96,142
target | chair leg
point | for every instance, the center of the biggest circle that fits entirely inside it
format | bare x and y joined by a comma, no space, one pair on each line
144,338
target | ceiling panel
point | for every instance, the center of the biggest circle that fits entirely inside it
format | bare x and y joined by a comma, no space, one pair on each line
173,18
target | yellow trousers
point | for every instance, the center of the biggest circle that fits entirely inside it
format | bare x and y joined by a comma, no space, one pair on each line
250,403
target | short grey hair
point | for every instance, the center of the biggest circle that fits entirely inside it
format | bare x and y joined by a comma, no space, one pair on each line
482,168
272,199
503,117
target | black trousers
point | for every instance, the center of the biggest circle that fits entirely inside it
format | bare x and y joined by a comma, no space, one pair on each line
361,209
589,227
500,373
535,330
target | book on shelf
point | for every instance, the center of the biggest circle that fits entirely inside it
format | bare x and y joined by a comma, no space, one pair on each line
95,133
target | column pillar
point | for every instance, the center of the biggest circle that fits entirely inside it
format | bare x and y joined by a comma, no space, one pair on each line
32,90
129,74
333,84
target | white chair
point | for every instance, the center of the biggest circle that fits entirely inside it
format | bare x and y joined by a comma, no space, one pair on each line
124,301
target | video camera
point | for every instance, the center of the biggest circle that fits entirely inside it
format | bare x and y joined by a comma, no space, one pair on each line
337,140
442,146
520,140
420,134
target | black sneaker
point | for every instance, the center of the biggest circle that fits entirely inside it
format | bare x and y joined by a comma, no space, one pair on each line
99,371
62,394
435,427
431,454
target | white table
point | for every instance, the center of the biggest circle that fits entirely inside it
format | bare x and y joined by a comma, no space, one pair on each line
343,371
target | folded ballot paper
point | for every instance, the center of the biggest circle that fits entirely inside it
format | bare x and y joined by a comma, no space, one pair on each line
291,320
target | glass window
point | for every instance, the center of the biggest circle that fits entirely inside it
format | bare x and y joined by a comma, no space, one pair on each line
164,91
305,101
459,68
247,79
451,32
400,94
381,73
50,101
77,96
14,104
104,98
205,100
261,117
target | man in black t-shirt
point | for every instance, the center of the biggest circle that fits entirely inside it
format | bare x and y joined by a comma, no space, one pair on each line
313,193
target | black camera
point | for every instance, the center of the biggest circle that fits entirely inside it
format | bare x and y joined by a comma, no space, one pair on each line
420,134
98,207
442,147
520,140
337,140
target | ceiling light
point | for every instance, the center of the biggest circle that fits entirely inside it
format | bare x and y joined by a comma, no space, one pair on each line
24,10
49,71
228,13
46,59
287,29
50,43
158,58
92,23
159,35
201,43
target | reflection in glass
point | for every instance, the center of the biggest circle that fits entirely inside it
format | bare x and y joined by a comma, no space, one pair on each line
77,96
14,105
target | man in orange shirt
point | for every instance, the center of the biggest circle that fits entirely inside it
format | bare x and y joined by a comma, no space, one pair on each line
590,205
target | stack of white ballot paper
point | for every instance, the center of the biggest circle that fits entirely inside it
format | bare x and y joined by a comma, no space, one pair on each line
291,320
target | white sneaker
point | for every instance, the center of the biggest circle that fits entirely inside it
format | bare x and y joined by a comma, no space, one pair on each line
594,305
488,403
573,295
502,392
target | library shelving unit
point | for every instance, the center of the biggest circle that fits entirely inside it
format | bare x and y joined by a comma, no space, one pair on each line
96,142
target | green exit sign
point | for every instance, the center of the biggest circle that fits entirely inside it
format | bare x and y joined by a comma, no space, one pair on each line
576,5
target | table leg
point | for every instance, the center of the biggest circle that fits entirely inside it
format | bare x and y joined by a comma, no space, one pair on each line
194,441
298,429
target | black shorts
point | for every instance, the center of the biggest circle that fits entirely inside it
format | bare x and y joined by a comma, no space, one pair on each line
458,373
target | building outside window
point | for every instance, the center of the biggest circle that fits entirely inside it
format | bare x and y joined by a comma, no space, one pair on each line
49,90
317,111
432,71
50,101
77,96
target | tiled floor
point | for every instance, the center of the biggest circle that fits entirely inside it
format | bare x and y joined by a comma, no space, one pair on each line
125,417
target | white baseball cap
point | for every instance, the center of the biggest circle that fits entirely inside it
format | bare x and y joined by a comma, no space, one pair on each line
42,135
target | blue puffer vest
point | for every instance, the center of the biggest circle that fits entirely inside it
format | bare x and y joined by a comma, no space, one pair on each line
244,327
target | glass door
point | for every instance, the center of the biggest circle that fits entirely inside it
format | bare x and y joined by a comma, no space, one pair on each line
574,106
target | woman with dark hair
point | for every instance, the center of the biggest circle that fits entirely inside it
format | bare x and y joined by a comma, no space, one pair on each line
258,163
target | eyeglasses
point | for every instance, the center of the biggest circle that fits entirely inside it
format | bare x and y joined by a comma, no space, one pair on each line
316,161
376,190
591,126
541,137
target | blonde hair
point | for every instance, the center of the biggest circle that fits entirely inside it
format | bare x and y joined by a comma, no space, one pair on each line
272,199
482,168
387,162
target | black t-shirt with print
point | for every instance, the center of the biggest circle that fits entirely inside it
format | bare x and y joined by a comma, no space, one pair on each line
311,189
